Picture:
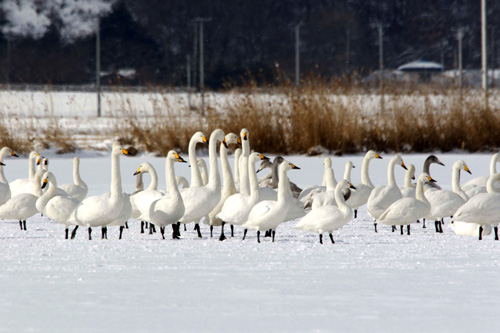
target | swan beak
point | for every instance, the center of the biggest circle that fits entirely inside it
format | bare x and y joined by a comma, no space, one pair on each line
13,154
403,165
224,143
245,137
204,139
179,158
238,141
294,166
352,186
378,156
467,169
124,151
137,172
44,183
431,180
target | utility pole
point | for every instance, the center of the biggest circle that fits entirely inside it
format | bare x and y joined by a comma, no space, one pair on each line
297,53
381,66
201,20
98,66
460,36
484,52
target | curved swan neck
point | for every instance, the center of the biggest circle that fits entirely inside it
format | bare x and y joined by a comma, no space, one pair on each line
116,180
365,175
493,164
193,160
391,179
154,179
227,175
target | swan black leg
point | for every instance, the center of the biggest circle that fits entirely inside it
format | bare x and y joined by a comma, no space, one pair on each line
90,233
355,213
121,231
66,231
24,225
162,231
375,224
211,231
245,234
222,236
258,236
481,232
496,232
402,230
197,228
273,234
321,238
142,227
331,238
73,233
232,230
408,229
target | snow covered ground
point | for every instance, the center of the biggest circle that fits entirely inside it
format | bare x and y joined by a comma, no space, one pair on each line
366,282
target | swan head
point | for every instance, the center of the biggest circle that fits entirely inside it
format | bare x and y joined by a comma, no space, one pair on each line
372,154
433,159
232,138
173,155
264,165
424,177
461,165
411,171
328,162
244,134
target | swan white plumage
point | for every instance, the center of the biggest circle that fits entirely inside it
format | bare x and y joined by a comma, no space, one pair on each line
99,211
170,208
24,185
383,196
79,188
408,210
58,208
409,189
228,188
200,200
243,163
360,195
5,193
328,218
269,214
23,206
483,208
445,203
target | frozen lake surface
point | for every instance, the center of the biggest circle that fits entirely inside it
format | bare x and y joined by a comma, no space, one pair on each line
367,281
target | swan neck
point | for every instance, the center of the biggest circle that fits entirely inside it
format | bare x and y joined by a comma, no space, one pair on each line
193,160
365,175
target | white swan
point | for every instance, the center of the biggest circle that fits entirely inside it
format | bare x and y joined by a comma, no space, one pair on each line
56,207
269,214
170,208
382,197
79,188
243,163
200,200
24,185
482,209
228,188
360,195
328,218
408,210
445,203
409,189
5,193
23,206
99,211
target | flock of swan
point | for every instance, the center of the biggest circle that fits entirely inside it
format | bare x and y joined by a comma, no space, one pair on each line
242,199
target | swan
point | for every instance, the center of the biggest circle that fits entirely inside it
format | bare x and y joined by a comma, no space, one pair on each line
360,195
383,196
269,214
408,210
481,181
328,218
243,163
5,193
56,207
170,208
200,200
237,207
23,206
24,185
79,189
482,209
228,188
445,203
99,211
274,180
409,189
431,159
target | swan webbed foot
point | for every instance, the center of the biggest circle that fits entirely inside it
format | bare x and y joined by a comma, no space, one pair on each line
73,233
331,238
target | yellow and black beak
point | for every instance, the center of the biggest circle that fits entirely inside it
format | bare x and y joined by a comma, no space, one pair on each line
467,169
351,186
294,166
238,141
378,156
431,180
124,151
403,165
245,136
13,154
179,158
224,143
137,172
204,139
44,183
